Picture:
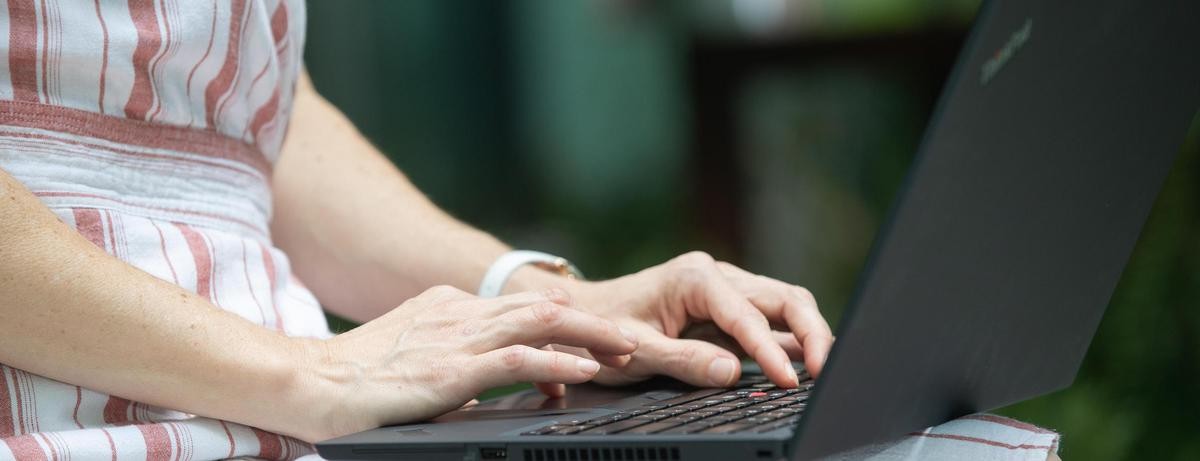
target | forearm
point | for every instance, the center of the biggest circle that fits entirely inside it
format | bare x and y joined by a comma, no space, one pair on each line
73,313
360,235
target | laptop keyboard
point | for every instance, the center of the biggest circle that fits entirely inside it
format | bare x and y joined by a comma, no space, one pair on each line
753,405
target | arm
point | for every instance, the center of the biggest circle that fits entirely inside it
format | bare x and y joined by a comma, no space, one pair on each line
364,239
360,235
71,312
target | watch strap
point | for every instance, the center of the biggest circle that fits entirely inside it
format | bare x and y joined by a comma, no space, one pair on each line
501,270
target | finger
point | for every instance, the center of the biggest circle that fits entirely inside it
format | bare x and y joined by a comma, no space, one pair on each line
695,362
552,390
814,335
501,304
790,344
549,323
709,333
795,306
517,364
616,367
613,361
742,320
799,311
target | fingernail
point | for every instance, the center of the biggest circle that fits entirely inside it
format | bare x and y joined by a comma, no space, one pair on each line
721,371
587,366
629,336
791,370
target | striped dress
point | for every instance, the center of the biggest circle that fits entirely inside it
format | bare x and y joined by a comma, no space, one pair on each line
151,127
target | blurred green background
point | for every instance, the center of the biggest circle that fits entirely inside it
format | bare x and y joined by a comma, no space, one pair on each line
771,133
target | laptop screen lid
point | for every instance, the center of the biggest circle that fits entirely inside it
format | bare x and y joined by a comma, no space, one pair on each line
1048,148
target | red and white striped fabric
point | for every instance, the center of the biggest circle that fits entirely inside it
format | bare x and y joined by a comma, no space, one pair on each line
979,437
150,126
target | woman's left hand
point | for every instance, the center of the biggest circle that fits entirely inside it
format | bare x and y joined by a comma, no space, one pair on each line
771,321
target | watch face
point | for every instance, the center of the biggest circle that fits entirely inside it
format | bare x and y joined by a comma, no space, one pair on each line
559,266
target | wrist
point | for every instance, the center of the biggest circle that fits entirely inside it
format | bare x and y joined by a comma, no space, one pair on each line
586,294
311,388
533,278
526,270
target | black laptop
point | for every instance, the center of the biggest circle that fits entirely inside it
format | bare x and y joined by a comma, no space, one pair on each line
1049,145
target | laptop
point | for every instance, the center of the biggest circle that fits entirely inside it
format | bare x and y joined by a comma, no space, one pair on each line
1047,149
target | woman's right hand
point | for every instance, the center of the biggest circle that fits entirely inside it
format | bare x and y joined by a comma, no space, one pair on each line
442,348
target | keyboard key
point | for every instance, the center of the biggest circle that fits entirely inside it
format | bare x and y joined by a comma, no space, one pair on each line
684,419
791,399
618,416
568,430
687,428
691,396
720,419
757,420
752,379
653,428
541,430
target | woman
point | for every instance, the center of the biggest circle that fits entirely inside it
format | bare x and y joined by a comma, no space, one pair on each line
157,226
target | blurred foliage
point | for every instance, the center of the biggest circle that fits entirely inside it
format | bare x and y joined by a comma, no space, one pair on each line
568,126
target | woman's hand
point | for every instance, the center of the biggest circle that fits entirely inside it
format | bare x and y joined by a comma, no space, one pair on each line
442,348
772,321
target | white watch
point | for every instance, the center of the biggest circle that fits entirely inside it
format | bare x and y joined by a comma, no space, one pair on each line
506,264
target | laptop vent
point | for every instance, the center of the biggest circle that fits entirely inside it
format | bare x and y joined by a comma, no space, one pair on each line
602,454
